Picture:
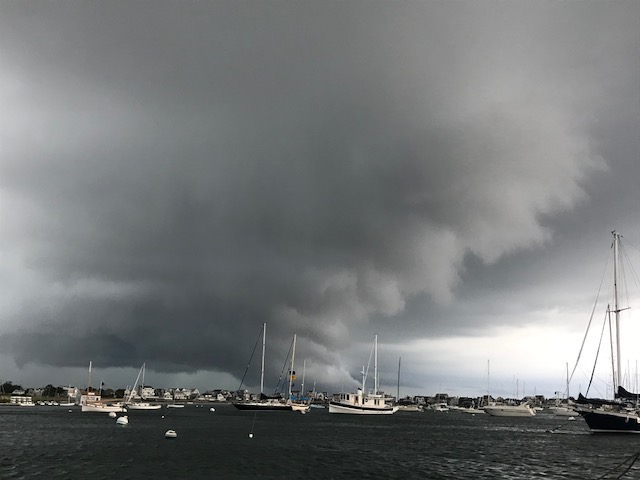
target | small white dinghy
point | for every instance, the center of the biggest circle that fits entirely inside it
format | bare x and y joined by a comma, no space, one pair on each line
124,420
170,434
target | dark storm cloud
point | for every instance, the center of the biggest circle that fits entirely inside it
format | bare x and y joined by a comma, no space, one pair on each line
179,174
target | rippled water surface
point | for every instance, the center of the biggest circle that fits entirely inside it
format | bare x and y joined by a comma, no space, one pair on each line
58,442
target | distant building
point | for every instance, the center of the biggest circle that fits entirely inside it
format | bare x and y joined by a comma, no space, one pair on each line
87,397
20,400
148,393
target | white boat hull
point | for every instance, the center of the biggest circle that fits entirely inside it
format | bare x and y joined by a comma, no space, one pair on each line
409,408
510,411
564,411
143,406
300,407
471,411
102,408
336,407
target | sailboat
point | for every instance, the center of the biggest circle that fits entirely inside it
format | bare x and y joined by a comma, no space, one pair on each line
92,402
622,414
265,402
361,402
406,405
69,402
131,405
296,405
564,409
504,409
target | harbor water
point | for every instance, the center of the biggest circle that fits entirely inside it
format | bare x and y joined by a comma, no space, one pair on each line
61,442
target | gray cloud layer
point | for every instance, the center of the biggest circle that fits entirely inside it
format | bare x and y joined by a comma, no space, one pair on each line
174,175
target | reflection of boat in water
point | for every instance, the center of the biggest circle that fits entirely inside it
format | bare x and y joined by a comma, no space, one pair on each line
362,403
622,414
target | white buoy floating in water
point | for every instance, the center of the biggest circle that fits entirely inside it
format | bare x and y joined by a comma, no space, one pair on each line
124,420
212,409
170,434
251,435
111,414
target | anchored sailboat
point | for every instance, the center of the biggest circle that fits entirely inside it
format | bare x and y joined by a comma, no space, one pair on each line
620,415
140,405
264,403
507,410
295,404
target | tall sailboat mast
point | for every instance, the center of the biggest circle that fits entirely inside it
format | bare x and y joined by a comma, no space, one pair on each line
264,342
291,372
375,364
398,395
616,242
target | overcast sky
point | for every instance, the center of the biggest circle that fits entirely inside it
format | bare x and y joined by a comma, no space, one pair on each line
444,174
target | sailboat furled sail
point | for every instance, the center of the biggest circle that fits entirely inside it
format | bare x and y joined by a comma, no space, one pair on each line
622,414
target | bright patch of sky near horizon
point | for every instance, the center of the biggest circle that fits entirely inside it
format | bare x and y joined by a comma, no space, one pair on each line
443,174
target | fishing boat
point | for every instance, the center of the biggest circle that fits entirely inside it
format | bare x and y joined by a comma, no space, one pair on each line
361,402
91,401
621,414
264,402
